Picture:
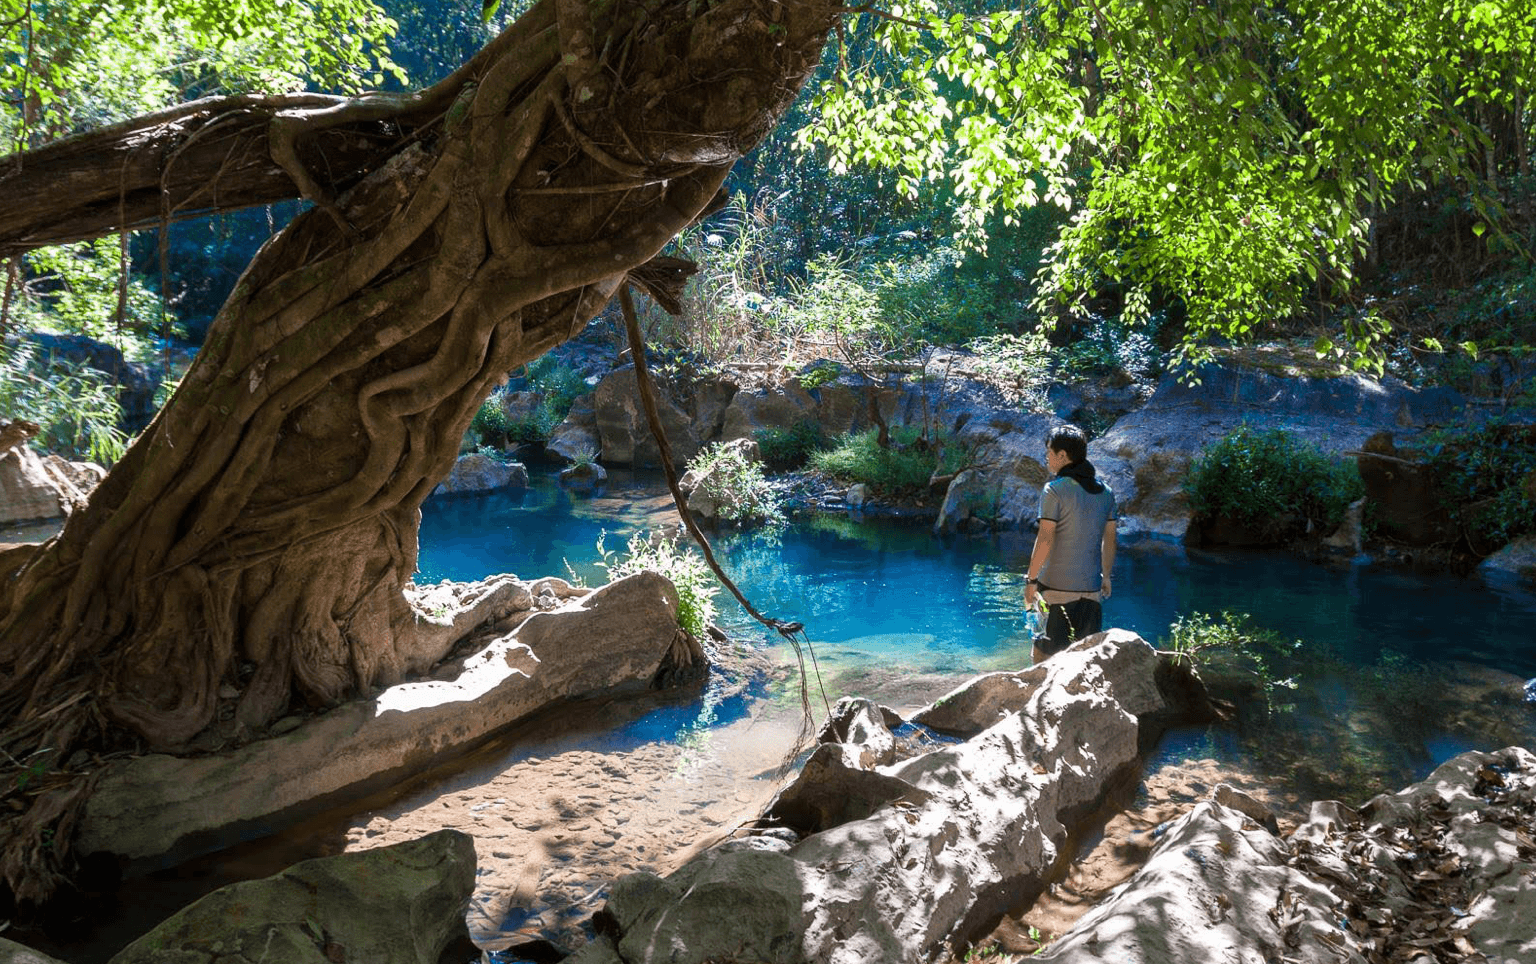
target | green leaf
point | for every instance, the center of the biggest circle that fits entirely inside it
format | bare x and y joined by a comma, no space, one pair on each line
488,9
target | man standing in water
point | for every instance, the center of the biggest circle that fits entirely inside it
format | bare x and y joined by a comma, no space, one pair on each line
1075,549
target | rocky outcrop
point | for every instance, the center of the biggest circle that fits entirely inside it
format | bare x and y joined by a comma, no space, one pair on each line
474,473
624,434
1439,871
1145,455
568,643
391,905
576,439
931,849
771,406
34,486
1513,566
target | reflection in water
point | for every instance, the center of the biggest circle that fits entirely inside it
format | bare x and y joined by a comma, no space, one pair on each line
1396,675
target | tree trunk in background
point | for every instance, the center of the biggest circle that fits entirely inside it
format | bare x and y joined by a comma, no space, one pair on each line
259,532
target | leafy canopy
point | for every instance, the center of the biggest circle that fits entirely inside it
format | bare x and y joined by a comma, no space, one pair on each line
1224,153
67,66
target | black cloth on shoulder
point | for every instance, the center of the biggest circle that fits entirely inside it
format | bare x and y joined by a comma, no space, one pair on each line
1084,474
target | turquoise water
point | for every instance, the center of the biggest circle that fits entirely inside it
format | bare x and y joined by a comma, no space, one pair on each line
1398,671
882,590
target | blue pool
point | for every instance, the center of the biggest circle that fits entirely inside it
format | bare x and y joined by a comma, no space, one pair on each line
1420,666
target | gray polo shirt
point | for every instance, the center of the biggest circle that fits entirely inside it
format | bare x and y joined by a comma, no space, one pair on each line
1076,560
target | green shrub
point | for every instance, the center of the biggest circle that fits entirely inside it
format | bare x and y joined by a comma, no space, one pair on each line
737,484
1233,638
789,448
490,426
1271,483
76,406
904,467
687,570
558,382
1488,480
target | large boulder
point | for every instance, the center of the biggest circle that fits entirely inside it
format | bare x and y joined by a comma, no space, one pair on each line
576,438
1008,453
1513,566
624,434
952,837
1439,871
158,809
772,406
475,473
1146,454
34,486
391,905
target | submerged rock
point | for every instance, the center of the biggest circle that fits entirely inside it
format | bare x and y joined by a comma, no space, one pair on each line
392,905
1439,871
952,837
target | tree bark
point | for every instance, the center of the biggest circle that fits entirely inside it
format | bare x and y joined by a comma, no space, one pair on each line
259,532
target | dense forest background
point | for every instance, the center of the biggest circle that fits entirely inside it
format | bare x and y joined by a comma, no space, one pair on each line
829,244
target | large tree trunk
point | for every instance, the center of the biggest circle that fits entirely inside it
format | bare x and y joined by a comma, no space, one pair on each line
259,532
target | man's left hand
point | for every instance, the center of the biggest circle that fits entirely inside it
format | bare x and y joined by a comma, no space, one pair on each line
1104,591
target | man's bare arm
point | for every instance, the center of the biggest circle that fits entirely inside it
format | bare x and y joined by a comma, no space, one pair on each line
1107,550
1045,539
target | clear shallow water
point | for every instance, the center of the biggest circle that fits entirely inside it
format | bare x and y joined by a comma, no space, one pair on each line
1418,667
883,590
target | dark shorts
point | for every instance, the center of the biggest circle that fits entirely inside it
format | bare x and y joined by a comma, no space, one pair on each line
1065,623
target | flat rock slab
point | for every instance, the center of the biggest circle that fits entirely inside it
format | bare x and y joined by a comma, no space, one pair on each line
1444,870
394,905
979,824
160,809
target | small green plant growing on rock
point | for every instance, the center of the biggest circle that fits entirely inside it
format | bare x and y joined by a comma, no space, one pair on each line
687,570
737,485
1271,483
1233,639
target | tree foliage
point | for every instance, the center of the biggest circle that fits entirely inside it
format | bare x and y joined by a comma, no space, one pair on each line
1228,154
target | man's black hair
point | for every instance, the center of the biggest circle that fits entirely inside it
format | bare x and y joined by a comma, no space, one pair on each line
1071,440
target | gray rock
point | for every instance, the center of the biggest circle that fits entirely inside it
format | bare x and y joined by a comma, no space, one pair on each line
14,953
35,486
842,406
1513,566
706,500
393,905
857,495
160,808
474,473
1116,659
982,823
583,476
779,406
520,406
576,437
969,496
1347,887
624,434
1145,455
1350,535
